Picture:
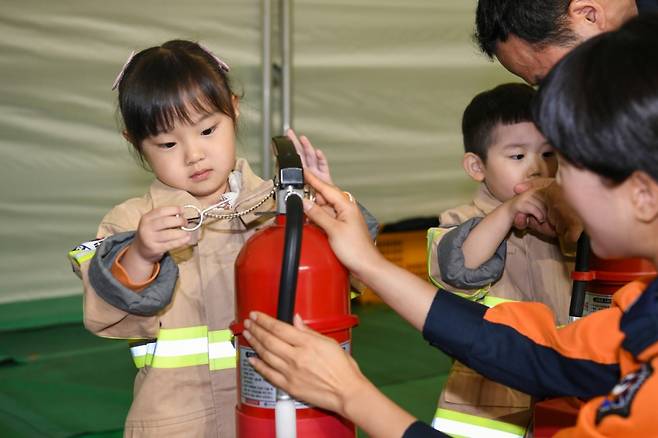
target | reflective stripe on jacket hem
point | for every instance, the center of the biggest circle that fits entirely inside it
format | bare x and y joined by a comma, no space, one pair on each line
186,347
457,424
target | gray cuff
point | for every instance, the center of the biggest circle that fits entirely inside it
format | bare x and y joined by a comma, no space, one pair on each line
371,221
451,260
155,297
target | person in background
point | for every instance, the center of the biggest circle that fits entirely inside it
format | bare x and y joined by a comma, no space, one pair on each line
605,133
529,37
477,253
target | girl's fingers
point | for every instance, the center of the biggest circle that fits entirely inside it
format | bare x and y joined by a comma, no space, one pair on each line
299,147
170,235
309,151
169,222
323,163
177,243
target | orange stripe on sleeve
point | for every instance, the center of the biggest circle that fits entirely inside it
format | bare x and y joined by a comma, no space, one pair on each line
120,273
593,338
596,337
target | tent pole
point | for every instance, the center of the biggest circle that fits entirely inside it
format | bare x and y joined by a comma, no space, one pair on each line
285,15
266,61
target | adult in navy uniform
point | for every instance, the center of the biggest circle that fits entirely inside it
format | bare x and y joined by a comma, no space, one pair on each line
600,115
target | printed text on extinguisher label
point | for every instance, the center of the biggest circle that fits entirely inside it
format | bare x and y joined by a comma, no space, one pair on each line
256,391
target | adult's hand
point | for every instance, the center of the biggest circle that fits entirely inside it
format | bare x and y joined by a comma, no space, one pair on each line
349,238
302,362
314,368
342,221
561,219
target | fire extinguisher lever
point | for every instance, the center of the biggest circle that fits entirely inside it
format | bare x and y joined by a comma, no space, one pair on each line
290,174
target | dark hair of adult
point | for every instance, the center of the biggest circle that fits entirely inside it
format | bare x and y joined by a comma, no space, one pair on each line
505,104
599,106
538,22
162,84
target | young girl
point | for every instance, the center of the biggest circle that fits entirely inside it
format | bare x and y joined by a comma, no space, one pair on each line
154,281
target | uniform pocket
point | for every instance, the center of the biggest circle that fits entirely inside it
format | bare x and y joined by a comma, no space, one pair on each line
466,387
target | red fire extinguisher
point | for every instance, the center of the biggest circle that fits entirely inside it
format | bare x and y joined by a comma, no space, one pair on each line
283,269
596,280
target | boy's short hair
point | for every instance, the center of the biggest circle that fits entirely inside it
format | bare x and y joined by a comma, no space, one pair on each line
505,104
599,105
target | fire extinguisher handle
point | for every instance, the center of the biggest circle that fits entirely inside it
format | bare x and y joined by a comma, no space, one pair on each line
288,162
578,289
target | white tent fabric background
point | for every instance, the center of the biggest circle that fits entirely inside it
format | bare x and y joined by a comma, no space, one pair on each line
379,85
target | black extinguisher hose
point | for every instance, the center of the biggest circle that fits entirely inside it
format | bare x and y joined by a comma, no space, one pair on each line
291,251
578,289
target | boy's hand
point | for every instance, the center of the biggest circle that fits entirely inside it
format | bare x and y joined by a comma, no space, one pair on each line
160,231
529,205
561,219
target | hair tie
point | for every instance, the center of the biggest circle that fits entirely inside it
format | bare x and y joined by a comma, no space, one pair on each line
222,65
117,81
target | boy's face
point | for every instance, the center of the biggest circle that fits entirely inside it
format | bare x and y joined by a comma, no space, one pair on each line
517,153
604,209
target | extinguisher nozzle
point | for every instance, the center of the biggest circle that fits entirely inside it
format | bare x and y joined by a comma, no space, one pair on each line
285,416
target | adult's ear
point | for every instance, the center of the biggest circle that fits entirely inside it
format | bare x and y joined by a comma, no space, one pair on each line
587,18
644,196
474,166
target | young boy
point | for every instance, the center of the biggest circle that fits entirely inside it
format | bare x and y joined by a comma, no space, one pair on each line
478,254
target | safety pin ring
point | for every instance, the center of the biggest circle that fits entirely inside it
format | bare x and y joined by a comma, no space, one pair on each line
199,218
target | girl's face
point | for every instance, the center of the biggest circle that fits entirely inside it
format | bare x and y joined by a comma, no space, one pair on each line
196,157
518,153
604,209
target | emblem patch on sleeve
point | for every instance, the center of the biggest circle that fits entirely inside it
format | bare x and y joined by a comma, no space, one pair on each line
620,399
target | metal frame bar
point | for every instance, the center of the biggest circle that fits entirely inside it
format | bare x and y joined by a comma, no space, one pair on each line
285,29
285,46
266,113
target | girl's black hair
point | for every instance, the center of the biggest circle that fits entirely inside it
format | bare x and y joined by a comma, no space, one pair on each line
163,84
506,104
599,105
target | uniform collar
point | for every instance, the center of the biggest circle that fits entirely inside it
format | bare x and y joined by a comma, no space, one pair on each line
485,200
640,323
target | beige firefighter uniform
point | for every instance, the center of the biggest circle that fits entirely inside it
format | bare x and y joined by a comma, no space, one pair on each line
186,383
534,270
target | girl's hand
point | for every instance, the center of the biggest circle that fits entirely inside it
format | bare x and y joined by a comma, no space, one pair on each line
344,225
159,231
302,362
312,159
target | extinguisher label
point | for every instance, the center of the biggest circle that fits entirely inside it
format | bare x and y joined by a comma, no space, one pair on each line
256,391
594,302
